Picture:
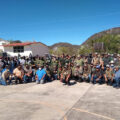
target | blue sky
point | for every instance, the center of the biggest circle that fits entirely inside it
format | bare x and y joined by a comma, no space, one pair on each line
52,21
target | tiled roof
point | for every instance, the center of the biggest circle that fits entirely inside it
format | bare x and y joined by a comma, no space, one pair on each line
22,44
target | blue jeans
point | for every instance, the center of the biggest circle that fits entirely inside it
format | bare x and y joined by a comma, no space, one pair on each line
47,78
3,82
55,76
88,78
94,80
117,82
27,79
33,75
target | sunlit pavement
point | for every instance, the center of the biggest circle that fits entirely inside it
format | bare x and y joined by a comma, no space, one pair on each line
55,101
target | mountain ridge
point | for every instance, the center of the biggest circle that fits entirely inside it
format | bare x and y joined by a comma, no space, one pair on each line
113,31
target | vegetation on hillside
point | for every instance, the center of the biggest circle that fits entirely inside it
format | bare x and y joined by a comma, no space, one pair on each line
65,50
111,43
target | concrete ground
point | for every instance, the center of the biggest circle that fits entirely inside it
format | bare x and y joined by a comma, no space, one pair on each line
54,101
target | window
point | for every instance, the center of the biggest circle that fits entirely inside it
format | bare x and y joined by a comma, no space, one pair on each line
18,49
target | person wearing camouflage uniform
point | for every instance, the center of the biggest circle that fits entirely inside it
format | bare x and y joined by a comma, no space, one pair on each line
86,73
109,75
65,75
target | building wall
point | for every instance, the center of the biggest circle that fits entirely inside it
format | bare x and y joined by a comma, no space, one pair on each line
2,43
39,49
1,48
34,49
9,51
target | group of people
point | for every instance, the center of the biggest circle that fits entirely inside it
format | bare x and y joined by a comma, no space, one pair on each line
93,68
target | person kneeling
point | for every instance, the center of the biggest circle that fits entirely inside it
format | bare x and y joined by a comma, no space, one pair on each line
5,77
109,75
86,74
40,75
18,74
28,74
96,76
65,76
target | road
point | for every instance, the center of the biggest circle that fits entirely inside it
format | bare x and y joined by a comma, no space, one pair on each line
54,101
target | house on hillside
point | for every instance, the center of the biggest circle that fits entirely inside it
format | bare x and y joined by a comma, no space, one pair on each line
25,49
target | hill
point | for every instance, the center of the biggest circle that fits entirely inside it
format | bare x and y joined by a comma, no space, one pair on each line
110,39
112,31
65,48
62,44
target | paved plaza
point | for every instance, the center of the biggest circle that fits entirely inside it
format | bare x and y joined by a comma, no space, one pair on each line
54,101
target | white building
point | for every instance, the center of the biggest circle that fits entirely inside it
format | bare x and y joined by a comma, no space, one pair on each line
25,49
3,42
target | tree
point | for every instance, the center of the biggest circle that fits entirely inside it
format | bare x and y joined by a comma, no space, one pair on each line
85,50
14,41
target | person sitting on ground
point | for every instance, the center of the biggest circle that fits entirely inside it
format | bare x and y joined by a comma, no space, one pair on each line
48,75
109,75
77,73
59,71
117,77
3,69
65,75
86,73
54,73
102,70
40,75
5,77
28,74
18,74
96,76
